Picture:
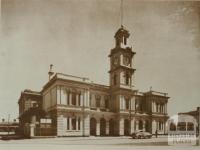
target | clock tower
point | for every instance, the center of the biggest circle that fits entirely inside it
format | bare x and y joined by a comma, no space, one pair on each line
121,61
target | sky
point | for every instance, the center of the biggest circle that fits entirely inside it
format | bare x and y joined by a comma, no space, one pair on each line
76,36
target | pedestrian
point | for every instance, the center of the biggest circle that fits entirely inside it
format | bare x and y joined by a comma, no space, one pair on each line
156,133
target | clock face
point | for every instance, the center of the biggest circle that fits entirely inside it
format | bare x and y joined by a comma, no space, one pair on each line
115,60
127,60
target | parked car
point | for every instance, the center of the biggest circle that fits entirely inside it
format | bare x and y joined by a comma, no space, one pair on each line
141,135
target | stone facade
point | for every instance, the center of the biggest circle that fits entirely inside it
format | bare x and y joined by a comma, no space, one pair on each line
79,107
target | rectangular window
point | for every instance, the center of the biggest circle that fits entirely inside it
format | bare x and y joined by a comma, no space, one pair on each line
106,103
73,123
68,98
98,100
156,107
106,98
79,99
73,98
127,103
79,123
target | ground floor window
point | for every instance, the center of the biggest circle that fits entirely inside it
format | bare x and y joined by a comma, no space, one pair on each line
73,123
79,123
160,125
140,125
67,123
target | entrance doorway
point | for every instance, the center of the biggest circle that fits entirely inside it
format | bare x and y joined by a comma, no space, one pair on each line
102,127
93,124
126,127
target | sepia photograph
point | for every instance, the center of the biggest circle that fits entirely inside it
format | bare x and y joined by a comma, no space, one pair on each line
99,74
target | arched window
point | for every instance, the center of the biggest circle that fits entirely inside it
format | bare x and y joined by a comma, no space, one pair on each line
127,78
172,127
140,125
125,41
117,42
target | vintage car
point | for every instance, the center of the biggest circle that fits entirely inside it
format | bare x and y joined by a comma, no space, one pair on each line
141,135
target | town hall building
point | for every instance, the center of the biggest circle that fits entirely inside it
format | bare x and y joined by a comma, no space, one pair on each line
75,106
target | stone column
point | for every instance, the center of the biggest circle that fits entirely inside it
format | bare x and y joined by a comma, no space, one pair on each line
120,103
155,110
123,103
32,130
121,126
107,127
70,123
81,99
133,103
144,125
86,125
137,125
77,97
164,125
98,127
153,127
164,108
81,123
60,125
70,98
152,106
121,59
76,122
86,98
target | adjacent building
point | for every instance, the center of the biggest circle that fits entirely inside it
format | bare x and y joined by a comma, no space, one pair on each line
195,114
79,107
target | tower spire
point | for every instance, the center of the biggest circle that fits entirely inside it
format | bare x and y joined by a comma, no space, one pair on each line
121,13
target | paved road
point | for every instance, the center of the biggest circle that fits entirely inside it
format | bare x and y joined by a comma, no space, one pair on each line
87,143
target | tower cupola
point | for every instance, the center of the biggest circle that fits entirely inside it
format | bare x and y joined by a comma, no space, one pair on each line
121,37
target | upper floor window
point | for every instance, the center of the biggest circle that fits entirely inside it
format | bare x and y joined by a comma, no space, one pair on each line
73,98
68,97
127,78
79,99
138,105
106,102
98,100
127,103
